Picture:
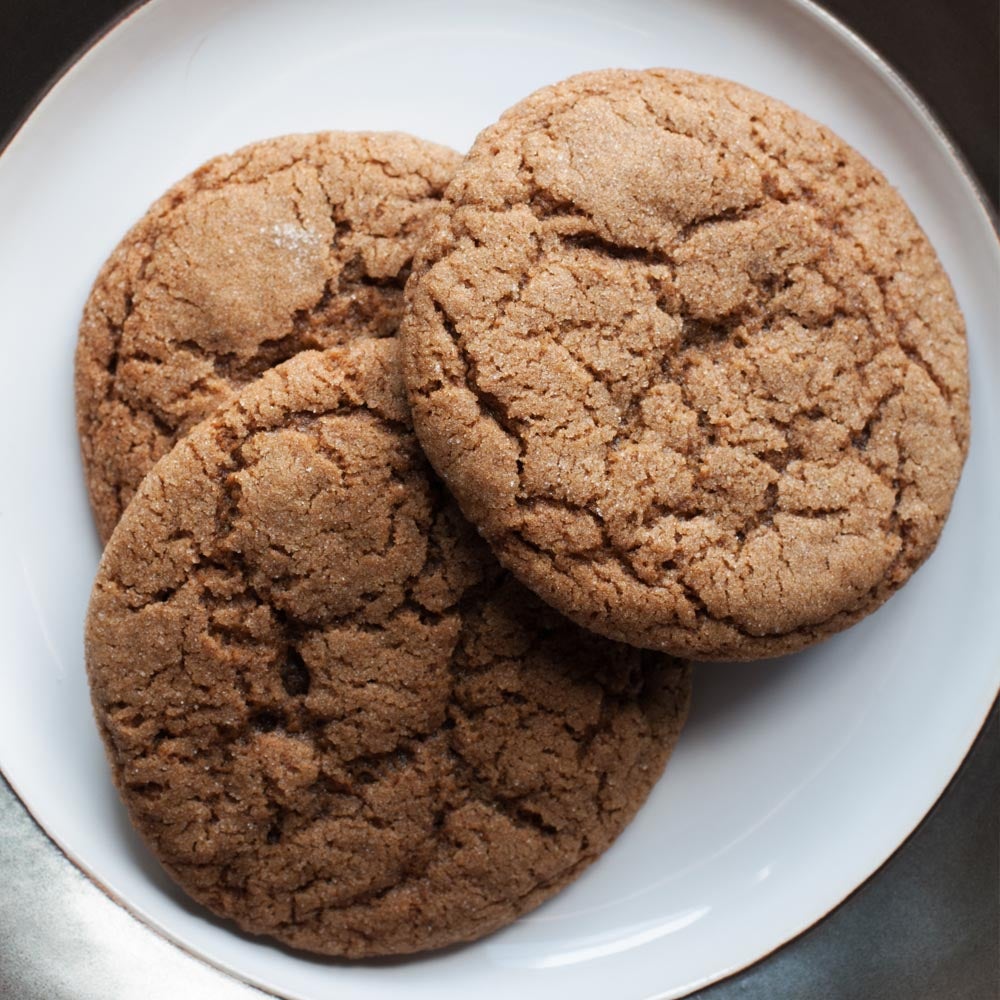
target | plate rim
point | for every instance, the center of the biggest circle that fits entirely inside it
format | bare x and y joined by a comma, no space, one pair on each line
887,72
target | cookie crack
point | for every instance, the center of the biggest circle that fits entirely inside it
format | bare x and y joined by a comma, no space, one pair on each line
489,404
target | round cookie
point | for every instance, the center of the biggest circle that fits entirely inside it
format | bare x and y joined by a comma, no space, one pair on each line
331,714
688,363
296,243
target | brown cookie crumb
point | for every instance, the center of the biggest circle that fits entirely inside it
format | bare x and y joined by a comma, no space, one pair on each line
689,363
331,714
296,243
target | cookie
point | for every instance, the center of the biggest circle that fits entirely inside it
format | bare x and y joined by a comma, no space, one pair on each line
332,716
296,243
689,363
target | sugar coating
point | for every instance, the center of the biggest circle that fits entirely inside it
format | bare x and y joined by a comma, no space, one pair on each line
331,714
689,363
290,244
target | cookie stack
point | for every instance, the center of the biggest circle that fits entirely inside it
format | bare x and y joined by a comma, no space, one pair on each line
417,471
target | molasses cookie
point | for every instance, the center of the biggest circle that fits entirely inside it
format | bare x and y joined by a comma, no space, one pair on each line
296,243
331,714
689,363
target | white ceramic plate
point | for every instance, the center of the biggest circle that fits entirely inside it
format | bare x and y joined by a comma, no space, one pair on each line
795,780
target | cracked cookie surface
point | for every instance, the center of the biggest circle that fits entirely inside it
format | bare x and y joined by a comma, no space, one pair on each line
331,714
689,363
296,243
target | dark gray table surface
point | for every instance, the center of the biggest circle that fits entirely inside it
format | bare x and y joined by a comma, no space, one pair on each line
925,927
